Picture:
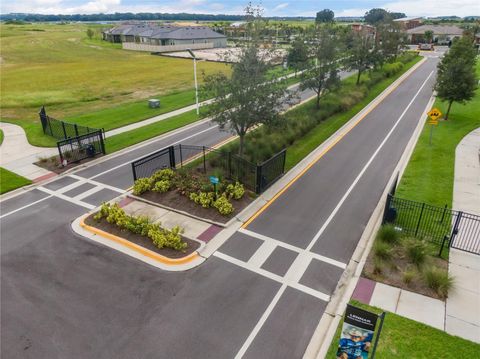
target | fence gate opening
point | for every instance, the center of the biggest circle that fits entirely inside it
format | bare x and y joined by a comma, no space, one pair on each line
81,147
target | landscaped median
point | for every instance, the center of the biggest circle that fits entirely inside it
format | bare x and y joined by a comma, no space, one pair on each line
143,236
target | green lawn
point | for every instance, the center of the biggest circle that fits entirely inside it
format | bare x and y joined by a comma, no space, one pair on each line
123,140
405,338
10,181
1,137
325,129
58,66
430,173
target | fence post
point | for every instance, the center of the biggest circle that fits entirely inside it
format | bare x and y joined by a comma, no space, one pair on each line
134,172
181,155
443,244
258,185
284,160
204,162
76,129
443,214
387,208
102,144
64,131
50,125
171,152
455,227
60,153
419,219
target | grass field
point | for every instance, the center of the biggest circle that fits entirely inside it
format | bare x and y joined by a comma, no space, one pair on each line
405,338
10,181
58,66
430,173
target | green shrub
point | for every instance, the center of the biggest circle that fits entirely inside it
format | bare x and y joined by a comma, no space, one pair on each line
408,275
162,186
378,265
142,225
223,206
163,238
142,185
416,251
382,250
205,199
391,69
162,175
235,191
388,234
438,280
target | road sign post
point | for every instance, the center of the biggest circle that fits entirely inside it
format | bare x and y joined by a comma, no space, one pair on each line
433,116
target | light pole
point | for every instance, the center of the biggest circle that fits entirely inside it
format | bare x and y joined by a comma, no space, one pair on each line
195,76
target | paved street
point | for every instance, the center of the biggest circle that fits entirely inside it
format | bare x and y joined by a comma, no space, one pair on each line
260,296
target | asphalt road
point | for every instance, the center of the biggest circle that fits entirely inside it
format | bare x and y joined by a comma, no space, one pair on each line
260,296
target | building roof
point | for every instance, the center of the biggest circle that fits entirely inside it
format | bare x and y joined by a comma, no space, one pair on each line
166,32
408,18
437,30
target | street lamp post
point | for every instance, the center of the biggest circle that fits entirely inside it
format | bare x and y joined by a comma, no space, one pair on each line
195,76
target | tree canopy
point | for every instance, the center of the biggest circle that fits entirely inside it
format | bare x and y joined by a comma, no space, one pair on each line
326,15
456,76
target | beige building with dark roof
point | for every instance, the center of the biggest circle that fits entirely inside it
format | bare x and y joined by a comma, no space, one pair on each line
442,34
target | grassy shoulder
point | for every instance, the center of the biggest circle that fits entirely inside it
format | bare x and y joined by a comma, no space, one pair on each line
406,338
301,148
430,173
10,181
1,137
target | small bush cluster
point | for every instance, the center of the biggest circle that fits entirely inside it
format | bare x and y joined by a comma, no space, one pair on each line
161,237
196,190
390,244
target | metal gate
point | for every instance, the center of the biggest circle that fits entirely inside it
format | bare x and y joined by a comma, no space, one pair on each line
466,233
81,147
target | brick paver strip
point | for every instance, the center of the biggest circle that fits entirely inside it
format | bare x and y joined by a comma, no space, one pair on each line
364,290
44,177
209,233
125,201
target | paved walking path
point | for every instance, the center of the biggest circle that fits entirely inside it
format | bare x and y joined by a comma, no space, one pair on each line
463,304
17,155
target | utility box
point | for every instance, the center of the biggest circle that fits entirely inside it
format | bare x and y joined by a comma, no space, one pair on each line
154,103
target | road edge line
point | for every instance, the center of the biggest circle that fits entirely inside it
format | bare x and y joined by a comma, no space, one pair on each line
325,331
297,171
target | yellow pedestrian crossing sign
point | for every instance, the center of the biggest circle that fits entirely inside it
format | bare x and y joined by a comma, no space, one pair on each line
434,114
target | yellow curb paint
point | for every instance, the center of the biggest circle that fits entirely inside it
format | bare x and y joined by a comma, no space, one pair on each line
315,160
146,252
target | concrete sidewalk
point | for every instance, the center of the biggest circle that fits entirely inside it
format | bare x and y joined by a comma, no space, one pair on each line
463,304
17,155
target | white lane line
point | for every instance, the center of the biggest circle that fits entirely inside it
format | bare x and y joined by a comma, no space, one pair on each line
272,276
262,253
298,267
147,154
99,184
293,248
26,206
87,193
357,179
66,198
260,322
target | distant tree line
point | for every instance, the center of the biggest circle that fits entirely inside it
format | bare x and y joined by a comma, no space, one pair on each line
132,16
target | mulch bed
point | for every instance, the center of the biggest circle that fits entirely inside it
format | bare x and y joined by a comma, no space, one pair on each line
56,168
143,241
392,274
175,200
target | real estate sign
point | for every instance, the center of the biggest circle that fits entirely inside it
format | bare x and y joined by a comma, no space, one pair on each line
357,333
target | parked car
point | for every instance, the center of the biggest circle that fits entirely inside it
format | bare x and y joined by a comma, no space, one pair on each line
426,47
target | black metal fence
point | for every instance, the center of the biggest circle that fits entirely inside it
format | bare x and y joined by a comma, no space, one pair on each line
62,130
435,224
255,177
81,147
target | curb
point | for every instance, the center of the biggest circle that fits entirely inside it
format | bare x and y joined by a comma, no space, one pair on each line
133,250
325,331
